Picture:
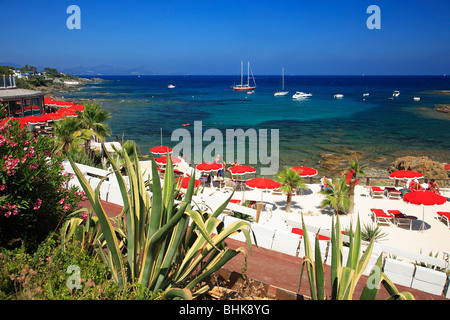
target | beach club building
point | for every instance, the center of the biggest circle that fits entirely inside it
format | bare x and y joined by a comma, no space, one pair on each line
20,102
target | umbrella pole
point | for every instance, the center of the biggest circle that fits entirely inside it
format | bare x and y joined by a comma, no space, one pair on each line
422,227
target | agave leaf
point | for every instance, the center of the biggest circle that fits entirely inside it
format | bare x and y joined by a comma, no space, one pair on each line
370,292
116,263
177,294
319,272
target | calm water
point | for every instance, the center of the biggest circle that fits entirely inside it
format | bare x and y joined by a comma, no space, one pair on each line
380,128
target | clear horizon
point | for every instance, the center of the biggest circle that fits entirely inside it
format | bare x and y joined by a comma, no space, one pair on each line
212,38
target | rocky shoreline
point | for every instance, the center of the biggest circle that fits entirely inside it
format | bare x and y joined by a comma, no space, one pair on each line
59,87
333,164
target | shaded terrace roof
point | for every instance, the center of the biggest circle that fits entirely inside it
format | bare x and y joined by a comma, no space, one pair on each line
16,93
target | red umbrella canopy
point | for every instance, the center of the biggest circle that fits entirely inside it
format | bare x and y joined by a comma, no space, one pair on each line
426,198
209,166
161,150
66,112
305,171
31,119
163,160
263,183
241,169
183,182
52,116
405,174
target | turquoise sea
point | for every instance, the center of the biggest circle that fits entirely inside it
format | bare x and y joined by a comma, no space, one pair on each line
142,107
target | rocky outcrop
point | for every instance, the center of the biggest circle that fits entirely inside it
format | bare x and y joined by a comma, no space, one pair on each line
335,163
429,168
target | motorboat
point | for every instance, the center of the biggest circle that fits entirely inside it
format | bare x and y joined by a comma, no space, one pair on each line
250,92
301,95
170,86
245,86
338,96
396,93
416,98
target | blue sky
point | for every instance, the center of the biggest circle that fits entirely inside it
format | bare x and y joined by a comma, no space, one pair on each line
212,37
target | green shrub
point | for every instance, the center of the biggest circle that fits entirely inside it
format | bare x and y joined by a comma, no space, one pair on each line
44,275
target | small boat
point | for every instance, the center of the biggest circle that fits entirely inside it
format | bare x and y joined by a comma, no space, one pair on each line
365,94
416,98
338,96
301,95
185,124
282,92
170,86
396,93
250,92
242,86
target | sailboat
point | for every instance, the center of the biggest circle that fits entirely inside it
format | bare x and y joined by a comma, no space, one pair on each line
282,92
242,86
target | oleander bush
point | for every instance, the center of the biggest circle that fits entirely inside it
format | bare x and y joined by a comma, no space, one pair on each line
33,197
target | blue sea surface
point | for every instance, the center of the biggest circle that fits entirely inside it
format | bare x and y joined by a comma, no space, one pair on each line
380,128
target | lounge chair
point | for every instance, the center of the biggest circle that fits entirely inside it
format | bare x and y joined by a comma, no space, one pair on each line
380,216
401,219
392,193
444,216
277,192
376,192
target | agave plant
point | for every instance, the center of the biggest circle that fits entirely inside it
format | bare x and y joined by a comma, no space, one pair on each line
86,230
345,278
169,246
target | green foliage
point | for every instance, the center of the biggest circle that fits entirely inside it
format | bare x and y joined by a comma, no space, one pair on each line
169,246
291,180
33,199
6,70
336,196
44,275
344,279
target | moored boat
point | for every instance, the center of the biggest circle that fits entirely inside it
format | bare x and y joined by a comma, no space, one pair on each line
301,95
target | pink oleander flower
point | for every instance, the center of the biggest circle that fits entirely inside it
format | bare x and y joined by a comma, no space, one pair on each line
33,166
85,216
2,186
37,204
66,207
61,201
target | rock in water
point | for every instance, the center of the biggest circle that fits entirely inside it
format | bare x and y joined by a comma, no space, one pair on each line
430,169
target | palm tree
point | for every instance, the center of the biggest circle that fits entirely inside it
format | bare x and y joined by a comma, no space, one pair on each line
354,171
68,134
336,196
92,118
290,180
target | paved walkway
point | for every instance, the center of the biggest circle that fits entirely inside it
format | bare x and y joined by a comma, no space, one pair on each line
280,270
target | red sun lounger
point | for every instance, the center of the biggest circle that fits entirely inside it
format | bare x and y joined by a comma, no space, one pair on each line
379,216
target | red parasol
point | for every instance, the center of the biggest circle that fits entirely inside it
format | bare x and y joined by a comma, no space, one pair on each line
405,174
52,116
163,160
263,183
31,119
161,150
241,169
183,182
209,166
424,198
305,171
